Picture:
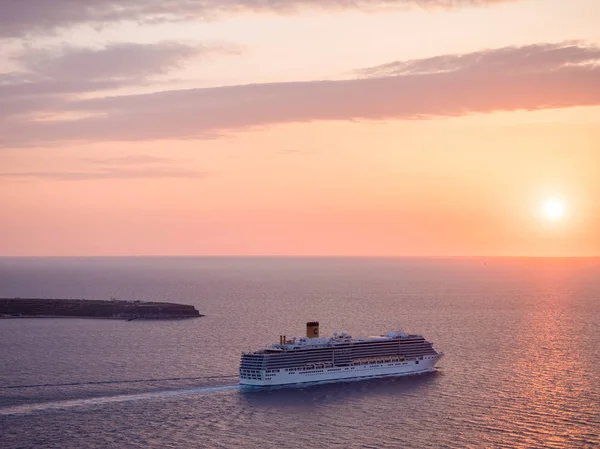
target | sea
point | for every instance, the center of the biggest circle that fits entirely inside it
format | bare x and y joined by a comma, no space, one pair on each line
521,338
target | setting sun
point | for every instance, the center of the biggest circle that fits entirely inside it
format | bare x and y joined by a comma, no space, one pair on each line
554,209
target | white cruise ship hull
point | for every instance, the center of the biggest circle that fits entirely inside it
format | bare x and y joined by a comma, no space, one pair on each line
355,371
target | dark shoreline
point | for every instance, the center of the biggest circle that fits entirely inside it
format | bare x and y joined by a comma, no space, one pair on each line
84,308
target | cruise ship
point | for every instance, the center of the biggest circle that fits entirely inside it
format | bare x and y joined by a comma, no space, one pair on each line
340,357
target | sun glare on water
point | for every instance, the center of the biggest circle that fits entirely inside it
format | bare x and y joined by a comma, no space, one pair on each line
554,209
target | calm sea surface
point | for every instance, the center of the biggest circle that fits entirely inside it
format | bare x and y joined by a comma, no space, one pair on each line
521,337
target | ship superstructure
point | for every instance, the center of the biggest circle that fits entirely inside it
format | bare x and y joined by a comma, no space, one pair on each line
313,359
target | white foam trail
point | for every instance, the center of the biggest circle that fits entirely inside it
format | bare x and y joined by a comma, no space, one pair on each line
88,402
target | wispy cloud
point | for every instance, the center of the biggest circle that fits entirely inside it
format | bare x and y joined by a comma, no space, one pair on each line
131,159
50,77
538,58
527,78
73,69
119,61
114,173
22,17
132,166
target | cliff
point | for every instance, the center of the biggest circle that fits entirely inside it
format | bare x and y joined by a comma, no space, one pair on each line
83,308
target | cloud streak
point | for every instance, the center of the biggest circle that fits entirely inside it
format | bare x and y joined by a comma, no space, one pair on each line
73,70
514,78
22,17
50,78
538,58
114,173
129,160
120,61
132,166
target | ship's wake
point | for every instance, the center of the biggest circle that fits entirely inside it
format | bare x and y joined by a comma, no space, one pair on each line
114,382
26,409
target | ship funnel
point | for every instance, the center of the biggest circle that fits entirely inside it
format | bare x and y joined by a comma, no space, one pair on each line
312,329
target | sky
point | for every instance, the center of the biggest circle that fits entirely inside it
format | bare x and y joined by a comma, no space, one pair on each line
427,128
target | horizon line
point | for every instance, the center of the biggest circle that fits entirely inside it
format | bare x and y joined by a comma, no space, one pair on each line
294,256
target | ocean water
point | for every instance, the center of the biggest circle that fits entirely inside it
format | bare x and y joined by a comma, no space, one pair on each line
521,337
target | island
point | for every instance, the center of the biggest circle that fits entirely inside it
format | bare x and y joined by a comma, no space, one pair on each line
84,308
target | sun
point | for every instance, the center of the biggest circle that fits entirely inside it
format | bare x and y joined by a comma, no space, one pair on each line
554,209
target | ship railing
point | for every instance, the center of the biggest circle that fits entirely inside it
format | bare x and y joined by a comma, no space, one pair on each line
378,360
317,365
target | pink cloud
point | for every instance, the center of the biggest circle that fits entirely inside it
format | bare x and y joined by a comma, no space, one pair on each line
514,78
73,69
18,18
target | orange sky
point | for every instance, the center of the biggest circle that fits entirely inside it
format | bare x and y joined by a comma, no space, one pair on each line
396,130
